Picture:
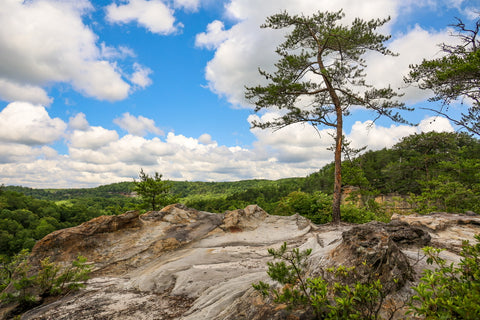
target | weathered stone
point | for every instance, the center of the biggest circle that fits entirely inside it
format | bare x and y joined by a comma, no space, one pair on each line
374,250
180,263
243,219
68,243
447,230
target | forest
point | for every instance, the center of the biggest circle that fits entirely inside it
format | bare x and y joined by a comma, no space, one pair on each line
432,171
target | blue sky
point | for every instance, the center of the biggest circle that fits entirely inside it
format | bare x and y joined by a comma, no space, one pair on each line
92,91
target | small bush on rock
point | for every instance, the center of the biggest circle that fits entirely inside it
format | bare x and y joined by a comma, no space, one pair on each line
449,291
27,288
324,299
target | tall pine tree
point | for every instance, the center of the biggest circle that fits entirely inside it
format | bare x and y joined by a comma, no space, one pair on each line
320,76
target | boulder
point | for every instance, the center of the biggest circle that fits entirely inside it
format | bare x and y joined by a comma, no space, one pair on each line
374,249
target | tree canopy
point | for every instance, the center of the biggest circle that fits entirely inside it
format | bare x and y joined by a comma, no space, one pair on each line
320,75
454,76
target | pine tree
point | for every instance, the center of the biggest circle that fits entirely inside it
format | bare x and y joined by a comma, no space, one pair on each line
320,76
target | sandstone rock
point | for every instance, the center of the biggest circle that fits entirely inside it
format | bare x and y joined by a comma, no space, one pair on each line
241,220
448,230
374,248
180,263
67,244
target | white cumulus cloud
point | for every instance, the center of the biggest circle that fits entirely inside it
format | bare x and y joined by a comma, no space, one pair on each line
384,71
46,41
78,122
25,123
99,156
93,138
192,5
154,15
138,126
140,76
213,37
437,124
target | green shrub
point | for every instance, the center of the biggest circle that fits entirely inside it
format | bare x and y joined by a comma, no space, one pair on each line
449,291
317,206
54,281
21,285
353,214
17,274
324,299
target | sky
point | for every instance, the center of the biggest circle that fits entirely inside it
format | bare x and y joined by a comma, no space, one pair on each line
93,91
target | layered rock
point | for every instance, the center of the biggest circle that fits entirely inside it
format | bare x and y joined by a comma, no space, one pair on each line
179,263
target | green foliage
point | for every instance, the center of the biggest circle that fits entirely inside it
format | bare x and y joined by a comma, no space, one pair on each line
24,219
322,180
52,280
16,273
442,194
222,196
154,192
316,207
335,299
450,291
354,214
455,75
114,190
20,284
421,157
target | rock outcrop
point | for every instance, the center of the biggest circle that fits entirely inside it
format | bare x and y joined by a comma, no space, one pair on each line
179,263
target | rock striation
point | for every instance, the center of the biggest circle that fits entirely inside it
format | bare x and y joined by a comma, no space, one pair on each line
180,263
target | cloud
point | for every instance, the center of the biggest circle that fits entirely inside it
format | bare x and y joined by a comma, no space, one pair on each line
79,122
206,139
140,76
23,154
93,138
298,144
138,126
99,156
121,52
377,137
153,15
437,124
305,149
44,42
213,37
11,91
28,124
187,4
426,46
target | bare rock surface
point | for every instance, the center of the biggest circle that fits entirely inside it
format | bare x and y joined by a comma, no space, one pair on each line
180,263
447,230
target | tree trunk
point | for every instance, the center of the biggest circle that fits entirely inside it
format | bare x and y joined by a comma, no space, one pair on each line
337,186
